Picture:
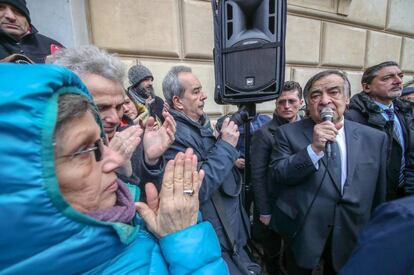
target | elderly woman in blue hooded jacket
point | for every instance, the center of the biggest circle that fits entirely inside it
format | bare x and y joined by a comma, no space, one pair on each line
66,210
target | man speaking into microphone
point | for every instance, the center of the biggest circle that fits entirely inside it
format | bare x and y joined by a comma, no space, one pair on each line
328,176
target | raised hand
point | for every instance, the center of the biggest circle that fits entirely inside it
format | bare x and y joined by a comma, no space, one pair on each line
158,140
230,132
176,207
125,143
322,133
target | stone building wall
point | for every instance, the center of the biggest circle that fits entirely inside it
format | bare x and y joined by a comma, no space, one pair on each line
347,34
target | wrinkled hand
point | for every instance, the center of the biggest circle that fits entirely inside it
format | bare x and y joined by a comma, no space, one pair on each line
125,142
158,140
230,132
322,133
265,219
173,210
240,163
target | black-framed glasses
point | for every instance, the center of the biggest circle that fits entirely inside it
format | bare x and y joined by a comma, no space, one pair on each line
97,148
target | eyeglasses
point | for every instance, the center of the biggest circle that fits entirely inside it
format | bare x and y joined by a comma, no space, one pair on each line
97,148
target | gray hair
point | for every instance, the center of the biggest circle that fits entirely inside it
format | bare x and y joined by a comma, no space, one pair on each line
90,59
318,76
70,107
371,72
171,85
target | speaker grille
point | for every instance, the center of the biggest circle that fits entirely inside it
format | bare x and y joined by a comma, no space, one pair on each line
250,70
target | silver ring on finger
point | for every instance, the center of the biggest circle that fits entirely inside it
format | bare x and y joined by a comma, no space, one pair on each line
188,192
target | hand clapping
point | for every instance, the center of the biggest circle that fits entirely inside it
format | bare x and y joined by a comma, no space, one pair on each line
177,205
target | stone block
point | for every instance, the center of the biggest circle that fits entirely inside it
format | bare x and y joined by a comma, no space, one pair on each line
355,81
137,27
198,29
319,5
343,46
400,16
302,40
370,13
302,75
362,12
407,59
382,47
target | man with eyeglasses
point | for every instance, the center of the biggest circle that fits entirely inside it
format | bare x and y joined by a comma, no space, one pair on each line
380,107
327,178
287,110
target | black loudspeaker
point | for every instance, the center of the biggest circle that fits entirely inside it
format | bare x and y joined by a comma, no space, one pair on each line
249,50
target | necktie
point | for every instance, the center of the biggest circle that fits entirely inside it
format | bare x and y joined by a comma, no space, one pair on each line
335,163
399,138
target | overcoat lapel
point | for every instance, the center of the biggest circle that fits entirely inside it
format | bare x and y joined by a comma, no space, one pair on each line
352,149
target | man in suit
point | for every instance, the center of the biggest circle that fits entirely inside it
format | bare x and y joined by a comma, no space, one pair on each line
287,110
323,199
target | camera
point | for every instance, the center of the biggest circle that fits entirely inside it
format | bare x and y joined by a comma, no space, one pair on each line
242,115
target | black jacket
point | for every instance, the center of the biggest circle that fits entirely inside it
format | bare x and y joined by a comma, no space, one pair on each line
364,110
34,45
260,151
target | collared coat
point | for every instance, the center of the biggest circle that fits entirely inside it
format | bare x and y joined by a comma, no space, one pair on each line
216,158
362,109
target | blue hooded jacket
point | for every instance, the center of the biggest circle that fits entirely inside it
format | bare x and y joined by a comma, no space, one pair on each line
39,231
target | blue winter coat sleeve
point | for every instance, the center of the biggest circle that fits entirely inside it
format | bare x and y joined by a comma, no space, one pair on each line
194,250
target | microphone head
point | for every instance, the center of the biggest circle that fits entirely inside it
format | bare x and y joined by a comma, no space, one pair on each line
327,114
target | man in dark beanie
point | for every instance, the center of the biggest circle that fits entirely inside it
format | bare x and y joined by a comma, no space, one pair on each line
19,36
142,90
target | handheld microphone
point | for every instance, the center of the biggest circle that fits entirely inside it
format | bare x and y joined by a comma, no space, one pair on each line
327,115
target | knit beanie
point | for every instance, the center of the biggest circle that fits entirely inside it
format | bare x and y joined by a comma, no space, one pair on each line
137,73
20,5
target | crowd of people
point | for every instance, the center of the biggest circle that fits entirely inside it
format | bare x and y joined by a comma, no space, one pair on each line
102,178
